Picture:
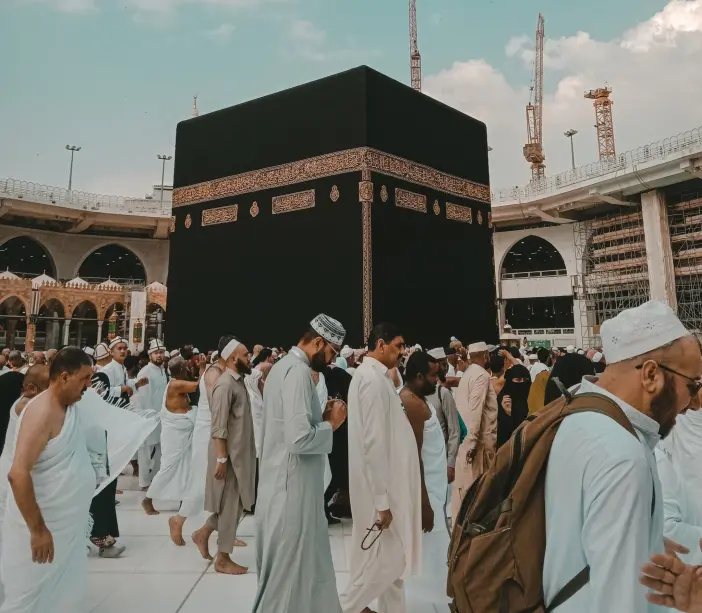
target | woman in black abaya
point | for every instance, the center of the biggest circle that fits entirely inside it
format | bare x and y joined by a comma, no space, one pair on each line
512,412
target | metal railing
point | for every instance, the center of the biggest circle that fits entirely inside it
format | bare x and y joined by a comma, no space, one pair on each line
544,331
624,162
535,273
46,194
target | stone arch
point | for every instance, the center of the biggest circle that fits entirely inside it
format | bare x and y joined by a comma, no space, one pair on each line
137,263
55,300
25,241
84,324
13,321
518,255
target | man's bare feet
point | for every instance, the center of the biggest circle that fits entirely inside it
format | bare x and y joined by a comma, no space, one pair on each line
240,543
201,539
119,492
175,524
148,506
224,564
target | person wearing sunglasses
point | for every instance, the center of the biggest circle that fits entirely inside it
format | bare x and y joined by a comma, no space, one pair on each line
604,501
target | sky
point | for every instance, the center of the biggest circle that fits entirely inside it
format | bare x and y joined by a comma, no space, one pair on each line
116,76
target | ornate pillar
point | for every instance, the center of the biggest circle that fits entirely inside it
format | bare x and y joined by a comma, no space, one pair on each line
365,197
66,331
99,333
31,335
159,325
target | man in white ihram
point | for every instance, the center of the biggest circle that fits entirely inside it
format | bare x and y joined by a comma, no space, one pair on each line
384,483
604,505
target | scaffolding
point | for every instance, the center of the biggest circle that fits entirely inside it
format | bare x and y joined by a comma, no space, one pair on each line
685,222
612,270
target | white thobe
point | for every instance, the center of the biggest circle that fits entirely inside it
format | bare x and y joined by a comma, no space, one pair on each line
537,369
149,400
323,395
256,400
383,474
684,445
600,484
117,374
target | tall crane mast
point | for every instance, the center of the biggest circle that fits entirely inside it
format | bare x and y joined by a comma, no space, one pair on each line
604,122
415,57
534,149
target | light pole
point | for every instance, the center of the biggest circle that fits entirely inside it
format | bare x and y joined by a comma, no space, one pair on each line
164,159
570,134
72,149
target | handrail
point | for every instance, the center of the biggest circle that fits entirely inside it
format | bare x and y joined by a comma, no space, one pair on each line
535,273
627,161
36,192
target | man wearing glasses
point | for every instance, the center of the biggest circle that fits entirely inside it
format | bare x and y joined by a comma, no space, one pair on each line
604,501
293,553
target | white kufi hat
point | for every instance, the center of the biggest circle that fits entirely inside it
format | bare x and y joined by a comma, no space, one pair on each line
329,329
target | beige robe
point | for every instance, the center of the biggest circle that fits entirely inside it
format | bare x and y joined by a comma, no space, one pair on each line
477,404
231,420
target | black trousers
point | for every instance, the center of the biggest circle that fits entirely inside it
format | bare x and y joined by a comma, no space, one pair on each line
104,512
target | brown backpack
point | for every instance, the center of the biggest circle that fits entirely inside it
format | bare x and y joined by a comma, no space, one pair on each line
498,544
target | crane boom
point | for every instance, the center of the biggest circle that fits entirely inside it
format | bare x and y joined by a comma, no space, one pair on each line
415,57
534,150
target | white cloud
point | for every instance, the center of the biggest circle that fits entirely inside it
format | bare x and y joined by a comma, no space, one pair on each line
148,7
652,69
308,40
222,34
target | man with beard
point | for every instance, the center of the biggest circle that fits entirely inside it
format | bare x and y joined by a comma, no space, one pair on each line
230,486
604,503
293,553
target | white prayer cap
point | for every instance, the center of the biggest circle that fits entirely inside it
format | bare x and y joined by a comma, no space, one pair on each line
417,348
477,347
453,339
581,352
570,349
533,356
156,345
167,354
640,330
116,341
89,350
215,355
329,329
196,351
346,352
438,354
101,351
175,353
597,357
229,349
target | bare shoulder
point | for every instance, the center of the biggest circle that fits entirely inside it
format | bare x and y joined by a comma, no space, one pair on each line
414,406
42,415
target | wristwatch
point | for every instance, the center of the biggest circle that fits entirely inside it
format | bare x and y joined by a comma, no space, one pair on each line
222,460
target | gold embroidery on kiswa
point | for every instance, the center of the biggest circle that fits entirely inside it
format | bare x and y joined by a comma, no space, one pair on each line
457,212
220,214
410,200
384,194
254,210
293,202
334,195
480,218
365,191
329,165
188,221
173,223
437,208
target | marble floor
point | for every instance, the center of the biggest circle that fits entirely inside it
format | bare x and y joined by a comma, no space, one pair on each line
155,576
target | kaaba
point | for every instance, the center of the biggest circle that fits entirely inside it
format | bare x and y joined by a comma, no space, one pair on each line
353,195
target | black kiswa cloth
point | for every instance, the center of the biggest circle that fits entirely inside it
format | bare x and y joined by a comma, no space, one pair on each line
10,390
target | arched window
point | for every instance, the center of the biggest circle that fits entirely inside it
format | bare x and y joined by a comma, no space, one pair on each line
23,255
532,256
115,262
13,323
84,325
49,321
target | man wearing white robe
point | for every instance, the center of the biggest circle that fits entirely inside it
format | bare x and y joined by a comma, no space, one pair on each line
293,553
604,504
384,483
120,385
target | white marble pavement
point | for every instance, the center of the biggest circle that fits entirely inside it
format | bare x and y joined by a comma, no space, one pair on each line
155,576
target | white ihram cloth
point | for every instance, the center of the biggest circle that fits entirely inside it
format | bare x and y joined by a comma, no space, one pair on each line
323,395
171,481
383,474
64,481
148,399
8,454
600,484
430,586
194,496
679,457
256,400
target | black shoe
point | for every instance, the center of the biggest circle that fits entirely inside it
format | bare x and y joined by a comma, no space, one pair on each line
332,521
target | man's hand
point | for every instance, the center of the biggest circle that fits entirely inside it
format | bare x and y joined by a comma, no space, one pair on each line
427,519
127,390
335,413
42,544
470,454
384,519
672,548
202,364
451,474
674,584
142,382
507,404
221,470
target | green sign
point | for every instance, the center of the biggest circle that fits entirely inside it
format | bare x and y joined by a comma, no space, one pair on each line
539,344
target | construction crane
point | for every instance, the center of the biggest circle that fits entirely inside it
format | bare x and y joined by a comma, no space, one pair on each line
415,57
604,122
534,149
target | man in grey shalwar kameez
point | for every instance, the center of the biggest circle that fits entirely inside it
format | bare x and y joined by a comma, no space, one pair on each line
295,569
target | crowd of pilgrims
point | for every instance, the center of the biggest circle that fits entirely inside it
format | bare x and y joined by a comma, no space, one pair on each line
391,436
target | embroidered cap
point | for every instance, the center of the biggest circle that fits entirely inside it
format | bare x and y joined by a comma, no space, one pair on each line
329,329
101,352
156,345
89,350
116,341
175,353
640,330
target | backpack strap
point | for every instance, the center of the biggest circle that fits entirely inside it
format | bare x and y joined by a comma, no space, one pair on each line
571,589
